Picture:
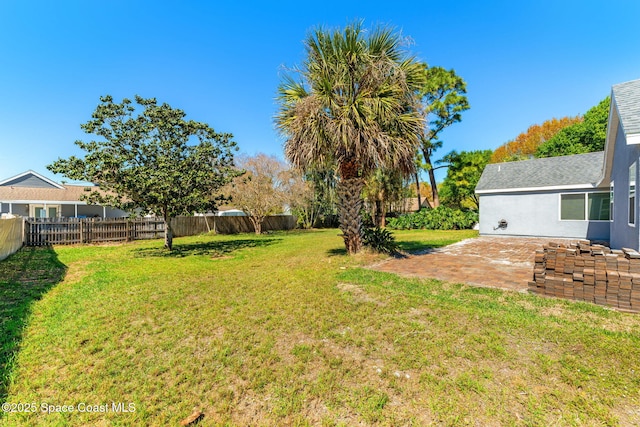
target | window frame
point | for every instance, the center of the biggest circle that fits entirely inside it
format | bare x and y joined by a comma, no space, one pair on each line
585,195
46,207
611,204
631,202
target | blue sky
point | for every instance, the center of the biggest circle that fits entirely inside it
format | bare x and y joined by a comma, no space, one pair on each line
524,62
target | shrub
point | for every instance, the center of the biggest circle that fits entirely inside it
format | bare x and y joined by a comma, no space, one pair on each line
440,218
379,240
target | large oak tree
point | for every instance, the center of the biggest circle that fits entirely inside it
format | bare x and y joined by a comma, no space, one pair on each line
525,145
148,159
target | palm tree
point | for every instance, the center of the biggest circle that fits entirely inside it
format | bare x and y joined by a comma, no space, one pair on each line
354,109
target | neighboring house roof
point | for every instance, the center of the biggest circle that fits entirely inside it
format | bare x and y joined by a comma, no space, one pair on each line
68,193
411,203
30,186
30,179
550,173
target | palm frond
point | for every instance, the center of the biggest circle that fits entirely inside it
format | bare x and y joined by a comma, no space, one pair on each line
356,104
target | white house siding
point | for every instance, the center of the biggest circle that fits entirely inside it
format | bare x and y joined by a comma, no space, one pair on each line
624,235
67,210
91,211
534,214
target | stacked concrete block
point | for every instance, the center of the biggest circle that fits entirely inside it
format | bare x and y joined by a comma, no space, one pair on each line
588,272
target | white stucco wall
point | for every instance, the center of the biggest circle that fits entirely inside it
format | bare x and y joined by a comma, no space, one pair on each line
534,214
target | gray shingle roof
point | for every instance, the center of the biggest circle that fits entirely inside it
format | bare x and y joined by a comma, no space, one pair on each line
627,96
575,170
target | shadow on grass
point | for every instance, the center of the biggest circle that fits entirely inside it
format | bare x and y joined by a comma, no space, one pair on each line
337,252
213,249
24,278
421,248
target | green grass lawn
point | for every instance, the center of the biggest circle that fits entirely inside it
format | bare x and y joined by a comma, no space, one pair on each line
284,329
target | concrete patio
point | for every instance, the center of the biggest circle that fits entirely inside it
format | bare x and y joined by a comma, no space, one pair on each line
497,262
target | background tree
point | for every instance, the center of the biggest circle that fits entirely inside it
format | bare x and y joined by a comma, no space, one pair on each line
355,110
264,188
314,199
381,188
444,100
151,161
525,145
416,179
465,168
584,137
304,202
324,184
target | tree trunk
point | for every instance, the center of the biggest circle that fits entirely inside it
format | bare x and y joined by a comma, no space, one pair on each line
417,177
374,212
349,205
432,179
257,224
168,234
378,213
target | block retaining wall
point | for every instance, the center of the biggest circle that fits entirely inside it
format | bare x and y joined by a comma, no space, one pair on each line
587,272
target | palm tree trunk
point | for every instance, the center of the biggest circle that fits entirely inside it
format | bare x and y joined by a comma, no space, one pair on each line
379,210
349,205
416,176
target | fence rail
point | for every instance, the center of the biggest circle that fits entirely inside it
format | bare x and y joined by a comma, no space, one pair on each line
68,231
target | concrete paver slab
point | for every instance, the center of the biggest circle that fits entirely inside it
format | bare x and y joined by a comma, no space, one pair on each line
497,262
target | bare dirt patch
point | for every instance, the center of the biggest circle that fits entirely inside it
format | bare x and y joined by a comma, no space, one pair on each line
359,294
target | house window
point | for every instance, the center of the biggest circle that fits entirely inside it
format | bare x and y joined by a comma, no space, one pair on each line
44,211
572,207
581,206
598,206
632,194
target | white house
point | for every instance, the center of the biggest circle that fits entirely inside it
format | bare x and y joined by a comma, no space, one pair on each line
30,194
553,197
581,196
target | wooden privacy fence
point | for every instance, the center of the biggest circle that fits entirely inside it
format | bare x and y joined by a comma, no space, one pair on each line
68,231
11,236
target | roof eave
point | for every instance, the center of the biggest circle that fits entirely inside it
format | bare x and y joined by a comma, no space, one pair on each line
590,186
44,178
48,202
610,141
